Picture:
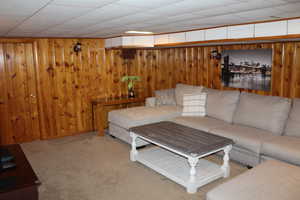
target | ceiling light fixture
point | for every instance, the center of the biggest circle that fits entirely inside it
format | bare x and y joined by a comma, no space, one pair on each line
139,32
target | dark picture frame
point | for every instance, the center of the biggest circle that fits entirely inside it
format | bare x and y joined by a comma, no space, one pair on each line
247,69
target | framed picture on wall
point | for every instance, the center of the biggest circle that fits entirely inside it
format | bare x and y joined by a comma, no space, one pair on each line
248,69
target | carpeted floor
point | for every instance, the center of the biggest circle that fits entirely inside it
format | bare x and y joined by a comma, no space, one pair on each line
89,167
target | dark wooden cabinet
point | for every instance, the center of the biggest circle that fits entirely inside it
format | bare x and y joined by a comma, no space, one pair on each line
21,182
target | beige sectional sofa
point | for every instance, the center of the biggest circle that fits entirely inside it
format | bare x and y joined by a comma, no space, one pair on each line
262,127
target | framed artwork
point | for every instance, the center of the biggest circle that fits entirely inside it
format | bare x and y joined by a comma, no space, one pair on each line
248,69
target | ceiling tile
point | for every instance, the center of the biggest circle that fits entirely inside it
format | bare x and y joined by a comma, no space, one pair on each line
8,22
21,7
135,18
259,14
44,18
56,31
20,34
289,14
276,1
171,19
238,7
224,19
103,33
102,14
108,27
65,35
148,4
291,1
83,3
291,7
187,6
231,8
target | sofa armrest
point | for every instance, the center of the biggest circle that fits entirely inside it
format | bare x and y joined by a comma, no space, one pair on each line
150,102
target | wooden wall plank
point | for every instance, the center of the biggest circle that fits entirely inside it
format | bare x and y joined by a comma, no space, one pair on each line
32,92
18,102
296,72
6,126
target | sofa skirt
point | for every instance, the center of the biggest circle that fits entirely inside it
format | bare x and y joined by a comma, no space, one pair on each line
123,134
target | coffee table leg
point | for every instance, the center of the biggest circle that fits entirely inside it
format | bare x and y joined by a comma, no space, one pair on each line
226,167
133,152
193,162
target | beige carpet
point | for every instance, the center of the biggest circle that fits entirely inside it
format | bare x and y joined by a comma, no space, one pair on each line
89,167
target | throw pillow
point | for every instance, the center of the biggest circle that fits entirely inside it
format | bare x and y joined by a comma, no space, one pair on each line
165,97
194,104
182,89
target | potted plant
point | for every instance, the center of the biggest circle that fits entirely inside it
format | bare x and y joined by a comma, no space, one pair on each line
131,80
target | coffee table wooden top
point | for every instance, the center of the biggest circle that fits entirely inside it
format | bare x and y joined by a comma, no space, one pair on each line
181,138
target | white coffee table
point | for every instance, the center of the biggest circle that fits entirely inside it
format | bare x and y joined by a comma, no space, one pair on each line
178,151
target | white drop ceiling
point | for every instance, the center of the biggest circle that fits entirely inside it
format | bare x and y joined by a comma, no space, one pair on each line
108,18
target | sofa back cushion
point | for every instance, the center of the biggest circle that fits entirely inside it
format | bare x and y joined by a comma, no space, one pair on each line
221,104
293,122
182,89
265,112
165,97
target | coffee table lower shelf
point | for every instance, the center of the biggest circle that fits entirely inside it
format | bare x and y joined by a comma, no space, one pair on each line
176,168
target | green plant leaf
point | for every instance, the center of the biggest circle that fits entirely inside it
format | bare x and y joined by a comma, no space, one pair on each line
130,85
130,80
124,78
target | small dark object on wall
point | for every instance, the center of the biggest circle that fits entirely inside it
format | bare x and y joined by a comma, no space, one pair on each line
128,53
215,55
77,47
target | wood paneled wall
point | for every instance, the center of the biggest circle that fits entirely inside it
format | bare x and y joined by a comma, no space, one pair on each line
163,68
66,81
19,119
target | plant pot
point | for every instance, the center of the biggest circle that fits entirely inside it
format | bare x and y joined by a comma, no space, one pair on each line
131,93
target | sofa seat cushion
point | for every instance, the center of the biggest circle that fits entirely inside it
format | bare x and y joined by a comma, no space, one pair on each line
265,112
141,115
272,180
245,137
286,148
221,104
293,122
201,123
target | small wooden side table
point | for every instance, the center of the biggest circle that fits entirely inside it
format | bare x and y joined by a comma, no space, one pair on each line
103,102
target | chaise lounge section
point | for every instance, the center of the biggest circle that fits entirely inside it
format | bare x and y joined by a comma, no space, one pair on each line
121,120
271,180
